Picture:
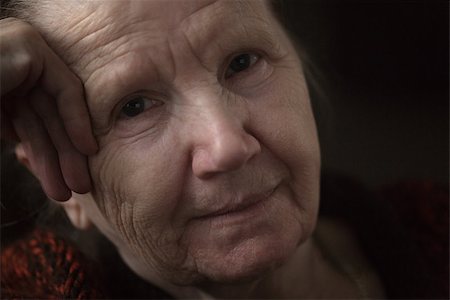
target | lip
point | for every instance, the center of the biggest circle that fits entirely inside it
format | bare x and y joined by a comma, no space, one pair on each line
244,204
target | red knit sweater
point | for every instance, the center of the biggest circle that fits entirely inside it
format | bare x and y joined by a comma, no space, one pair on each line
44,266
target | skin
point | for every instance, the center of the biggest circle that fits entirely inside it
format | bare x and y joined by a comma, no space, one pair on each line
206,141
43,107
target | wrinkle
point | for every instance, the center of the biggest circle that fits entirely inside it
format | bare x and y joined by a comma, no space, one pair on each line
120,50
162,257
75,43
103,181
136,138
201,7
127,223
195,54
172,61
120,30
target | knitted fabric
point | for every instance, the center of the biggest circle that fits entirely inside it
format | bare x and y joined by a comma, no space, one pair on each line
44,266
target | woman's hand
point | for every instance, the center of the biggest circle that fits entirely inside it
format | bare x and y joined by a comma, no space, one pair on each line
43,107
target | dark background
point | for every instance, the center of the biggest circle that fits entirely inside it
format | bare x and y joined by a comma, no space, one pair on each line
385,117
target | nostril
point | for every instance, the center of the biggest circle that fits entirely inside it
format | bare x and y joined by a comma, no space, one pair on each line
202,166
225,154
250,147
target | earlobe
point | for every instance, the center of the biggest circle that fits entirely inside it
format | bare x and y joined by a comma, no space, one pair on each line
77,214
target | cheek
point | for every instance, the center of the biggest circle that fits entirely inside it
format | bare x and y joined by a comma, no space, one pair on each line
284,122
282,117
135,187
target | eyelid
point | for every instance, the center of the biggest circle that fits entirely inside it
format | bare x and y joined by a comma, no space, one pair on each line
146,107
251,78
251,54
229,59
117,112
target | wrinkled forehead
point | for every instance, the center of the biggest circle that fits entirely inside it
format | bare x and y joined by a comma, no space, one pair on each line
75,29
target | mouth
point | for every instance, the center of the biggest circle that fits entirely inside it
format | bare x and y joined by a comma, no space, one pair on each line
245,204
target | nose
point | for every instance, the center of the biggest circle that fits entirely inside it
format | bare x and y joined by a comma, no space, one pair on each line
222,145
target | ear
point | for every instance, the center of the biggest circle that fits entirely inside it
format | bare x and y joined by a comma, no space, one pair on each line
76,213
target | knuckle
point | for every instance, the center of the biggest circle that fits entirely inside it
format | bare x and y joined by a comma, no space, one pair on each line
9,22
20,30
28,32
23,61
19,45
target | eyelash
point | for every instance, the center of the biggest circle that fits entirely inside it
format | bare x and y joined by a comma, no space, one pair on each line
144,106
251,56
254,59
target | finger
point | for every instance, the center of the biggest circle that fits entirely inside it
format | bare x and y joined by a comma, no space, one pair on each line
29,58
68,91
73,164
41,154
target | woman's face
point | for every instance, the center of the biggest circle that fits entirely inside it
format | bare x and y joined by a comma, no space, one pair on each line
209,163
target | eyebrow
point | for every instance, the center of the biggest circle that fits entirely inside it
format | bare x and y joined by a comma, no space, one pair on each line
252,31
226,42
256,29
118,83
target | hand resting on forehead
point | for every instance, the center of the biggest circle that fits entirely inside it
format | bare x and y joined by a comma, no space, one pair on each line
43,107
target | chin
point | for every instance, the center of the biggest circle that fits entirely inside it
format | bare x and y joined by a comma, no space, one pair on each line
249,260
238,249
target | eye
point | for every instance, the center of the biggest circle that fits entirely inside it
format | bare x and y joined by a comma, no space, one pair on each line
241,63
137,105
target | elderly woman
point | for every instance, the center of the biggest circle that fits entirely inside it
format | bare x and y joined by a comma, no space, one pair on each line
183,132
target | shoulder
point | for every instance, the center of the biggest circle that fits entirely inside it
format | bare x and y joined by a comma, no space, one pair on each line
403,231
423,209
